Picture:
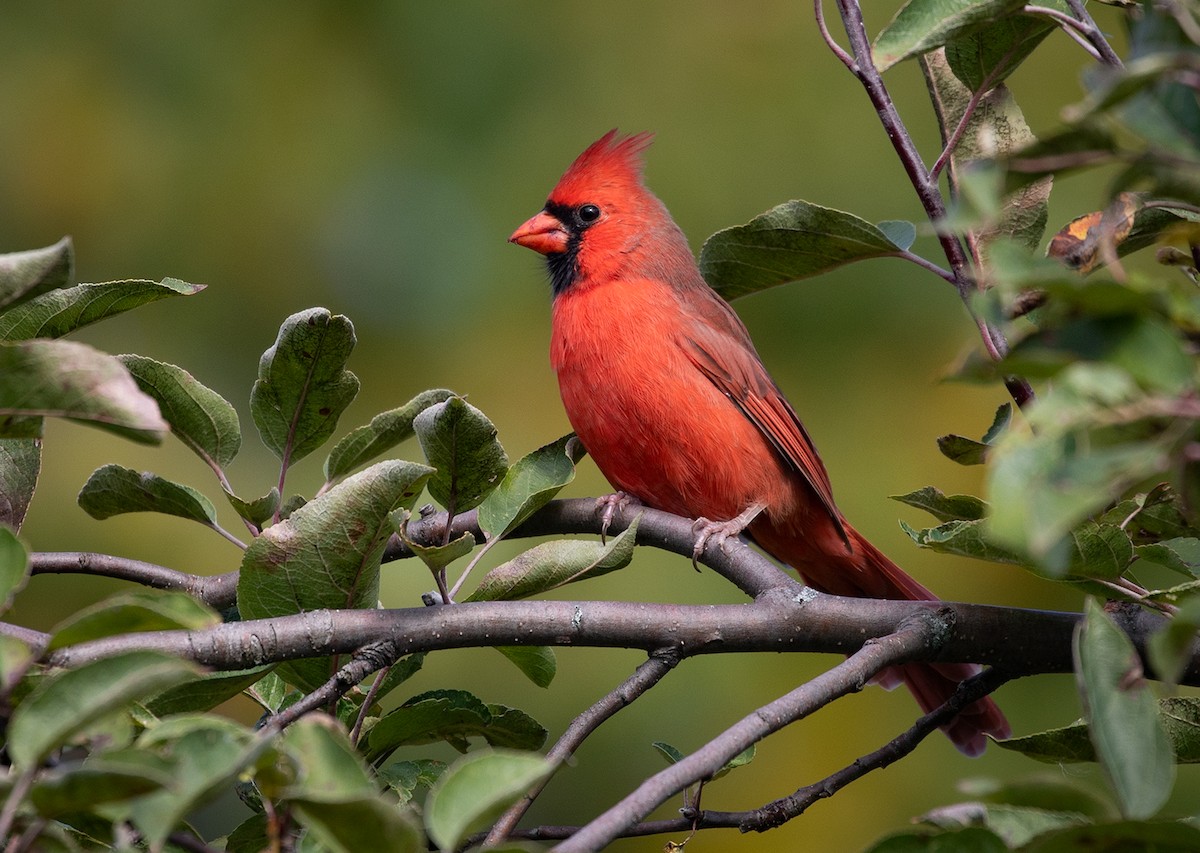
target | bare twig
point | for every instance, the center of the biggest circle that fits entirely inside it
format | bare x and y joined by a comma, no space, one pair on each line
1107,55
356,731
217,591
366,660
846,677
925,185
644,677
783,810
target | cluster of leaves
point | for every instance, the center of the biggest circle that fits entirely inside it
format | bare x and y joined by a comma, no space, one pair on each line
1099,479
126,744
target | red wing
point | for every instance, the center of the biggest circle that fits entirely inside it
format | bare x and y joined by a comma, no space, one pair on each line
729,361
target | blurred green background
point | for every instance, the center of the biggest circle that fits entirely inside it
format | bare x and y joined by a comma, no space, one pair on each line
372,158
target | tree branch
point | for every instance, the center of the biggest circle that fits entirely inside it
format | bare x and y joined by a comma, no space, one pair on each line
925,185
846,677
644,677
217,591
782,810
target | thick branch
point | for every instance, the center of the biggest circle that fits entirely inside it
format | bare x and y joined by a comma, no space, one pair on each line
1022,642
740,565
844,678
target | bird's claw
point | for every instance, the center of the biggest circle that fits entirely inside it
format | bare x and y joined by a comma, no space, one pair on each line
719,531
609,505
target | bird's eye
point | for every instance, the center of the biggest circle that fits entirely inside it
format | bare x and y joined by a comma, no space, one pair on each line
588,213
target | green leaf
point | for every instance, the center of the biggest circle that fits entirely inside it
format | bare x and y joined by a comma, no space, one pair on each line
1055,793
1017,825
63,704
20,464
944,507
71,380
740,760
384,432
477,788
529,485
1181,720
1170,647
207,754
1100,551
398,673
205,693
996,126
437,557
258,510
201,418
922,840
923,25
538,663
1159,515
900,231
992,53
272,693
460,442
1123,718
553,564
966,451
351,826
59,312
405,777
1042,486
1160,836
24,275
113,490
795,240
14,568
964,538
327,553
80,788
670,753
452,716
303,385
331,769
142,610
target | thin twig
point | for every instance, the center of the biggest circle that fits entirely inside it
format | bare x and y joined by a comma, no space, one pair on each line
366,660
782,810
356,731
927,264
218,591
923,182
16,795
648,674
846,677
1107,55
835,48
985,87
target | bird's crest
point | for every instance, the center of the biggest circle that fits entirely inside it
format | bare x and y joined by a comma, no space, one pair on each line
612,160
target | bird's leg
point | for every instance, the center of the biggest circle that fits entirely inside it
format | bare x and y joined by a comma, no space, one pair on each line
721,530
609,505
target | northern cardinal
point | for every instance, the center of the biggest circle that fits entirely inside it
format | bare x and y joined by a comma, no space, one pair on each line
663,386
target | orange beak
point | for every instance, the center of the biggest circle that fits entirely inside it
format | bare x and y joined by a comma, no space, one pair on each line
543,233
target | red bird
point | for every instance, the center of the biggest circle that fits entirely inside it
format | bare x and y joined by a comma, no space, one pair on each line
664,388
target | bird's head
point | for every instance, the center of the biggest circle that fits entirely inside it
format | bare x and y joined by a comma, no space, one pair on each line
599,215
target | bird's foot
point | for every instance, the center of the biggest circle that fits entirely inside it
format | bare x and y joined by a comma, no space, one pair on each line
719,531
610,505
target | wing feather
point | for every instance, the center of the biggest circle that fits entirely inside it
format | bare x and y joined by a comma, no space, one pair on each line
726,356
